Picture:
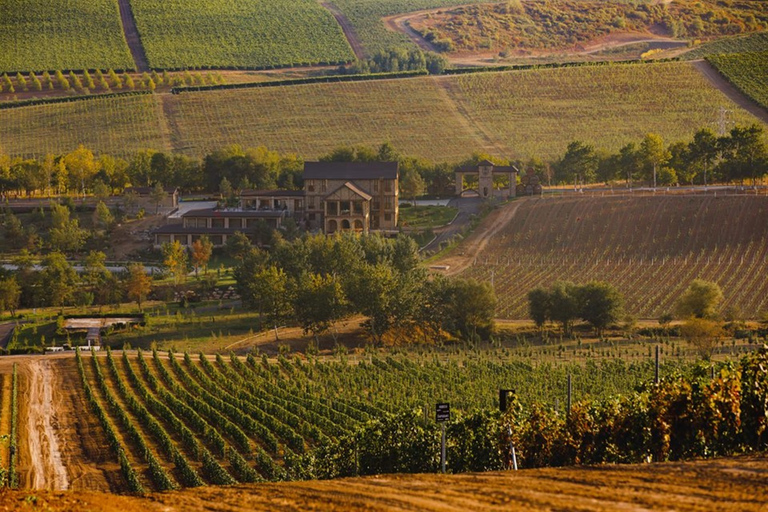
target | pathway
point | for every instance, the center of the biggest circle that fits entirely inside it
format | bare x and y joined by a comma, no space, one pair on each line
132,36
735,95
349,30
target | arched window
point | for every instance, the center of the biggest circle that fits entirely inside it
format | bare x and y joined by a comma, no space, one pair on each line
345,224
358,225
331,226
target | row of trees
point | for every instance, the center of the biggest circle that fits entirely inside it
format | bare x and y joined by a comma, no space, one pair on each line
317,281
738,157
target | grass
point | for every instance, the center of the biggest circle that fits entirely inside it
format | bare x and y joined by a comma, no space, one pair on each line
61,34
249,33
649,248
424,217
513,114
118,126
747,71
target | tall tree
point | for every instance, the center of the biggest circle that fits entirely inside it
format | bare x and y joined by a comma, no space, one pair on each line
578,164
58,280
700,300
600,304
10,295
318,303
202,248
138,284
654,154
175,261
158,195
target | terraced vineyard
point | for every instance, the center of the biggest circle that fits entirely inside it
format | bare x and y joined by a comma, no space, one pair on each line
650,248
747,71
180,421
250,33
59,34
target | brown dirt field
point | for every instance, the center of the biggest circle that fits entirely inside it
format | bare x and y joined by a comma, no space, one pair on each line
125,240
722,484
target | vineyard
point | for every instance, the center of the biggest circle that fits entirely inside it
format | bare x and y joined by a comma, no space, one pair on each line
747,71
182,421
118,125
743,44
519,114
58,34
650,248
253,33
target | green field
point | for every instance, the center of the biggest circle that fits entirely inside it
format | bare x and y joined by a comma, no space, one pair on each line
514,114
747,71
119,126
743,44
59,34
250,33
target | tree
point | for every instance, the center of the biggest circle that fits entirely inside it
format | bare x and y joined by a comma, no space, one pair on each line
705,335
267,293
175,261
58,280
701,300
95,268
564,305
65,234
370,291
473,305
579,164
539,306
102,216
81,166
600,304
318,303
745,154
703,151
10,294
138,284
411,185
202,248
654,153
238,246
157,195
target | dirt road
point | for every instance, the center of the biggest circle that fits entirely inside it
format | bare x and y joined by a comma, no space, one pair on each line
729,90
46,470
349,30
463,255
132,36
737,484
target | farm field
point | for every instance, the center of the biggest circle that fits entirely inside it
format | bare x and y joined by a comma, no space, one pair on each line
517,114
747,71
742,44
58,34
650,248
252,33
118,125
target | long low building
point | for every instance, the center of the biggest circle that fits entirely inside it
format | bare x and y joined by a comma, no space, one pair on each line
218,225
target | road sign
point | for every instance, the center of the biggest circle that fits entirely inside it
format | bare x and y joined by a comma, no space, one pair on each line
443,412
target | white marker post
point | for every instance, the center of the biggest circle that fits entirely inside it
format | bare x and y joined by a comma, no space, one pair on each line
442,414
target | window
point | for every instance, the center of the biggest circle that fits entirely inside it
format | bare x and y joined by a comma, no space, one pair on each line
217,223
311,203
344,207
345,224
310,186
388,217
358,225
332,207
312,217
216,240
375,205
236,223
357,207
388,203
331,226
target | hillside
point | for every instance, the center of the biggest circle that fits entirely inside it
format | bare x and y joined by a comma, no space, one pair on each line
737,484
650,248
518,114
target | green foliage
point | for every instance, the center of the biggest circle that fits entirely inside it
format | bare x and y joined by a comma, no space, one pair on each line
597,303
700,300
255,34
80,34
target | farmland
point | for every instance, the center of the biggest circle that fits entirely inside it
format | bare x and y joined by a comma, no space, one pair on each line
650,248
253,33
518,114
116,125
38,36
743,44
747,72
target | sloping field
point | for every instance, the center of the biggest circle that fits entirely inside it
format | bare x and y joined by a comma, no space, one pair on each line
250,33
61,34
747,71
517,114
723,484
118,125
650,248
742,44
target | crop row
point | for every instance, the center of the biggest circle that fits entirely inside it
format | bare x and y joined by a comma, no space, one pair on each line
747,71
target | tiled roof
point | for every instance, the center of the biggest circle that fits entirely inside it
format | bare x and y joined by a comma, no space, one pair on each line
350,170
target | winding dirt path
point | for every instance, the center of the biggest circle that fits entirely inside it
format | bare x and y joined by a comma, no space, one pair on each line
463,255
735,95
46,470
349,30
132,36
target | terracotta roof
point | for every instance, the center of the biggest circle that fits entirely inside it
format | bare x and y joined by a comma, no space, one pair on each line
351,186
217,213
272,193
350,170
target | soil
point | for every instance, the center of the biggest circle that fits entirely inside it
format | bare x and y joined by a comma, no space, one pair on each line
132,236
722,484
132,36
349,30
463,255
724,86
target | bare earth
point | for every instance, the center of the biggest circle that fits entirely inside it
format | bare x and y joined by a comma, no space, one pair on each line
722,484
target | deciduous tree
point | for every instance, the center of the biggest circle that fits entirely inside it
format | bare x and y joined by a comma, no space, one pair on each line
138,284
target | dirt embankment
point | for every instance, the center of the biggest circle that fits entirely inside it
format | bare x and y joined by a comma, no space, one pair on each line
737,484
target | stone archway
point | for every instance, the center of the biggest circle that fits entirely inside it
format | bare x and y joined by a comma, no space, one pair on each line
345,225
332,226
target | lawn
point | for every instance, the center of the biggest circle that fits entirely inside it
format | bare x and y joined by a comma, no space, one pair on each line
425,217
61,34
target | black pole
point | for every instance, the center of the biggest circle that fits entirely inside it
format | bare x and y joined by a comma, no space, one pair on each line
658,350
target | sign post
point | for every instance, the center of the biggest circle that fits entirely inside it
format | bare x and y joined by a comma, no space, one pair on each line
442,414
